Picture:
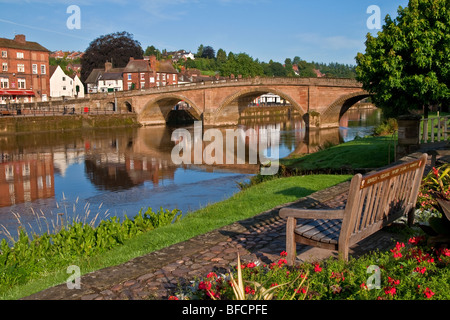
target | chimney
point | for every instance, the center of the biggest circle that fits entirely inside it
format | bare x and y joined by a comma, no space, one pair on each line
108,66
152,60
20,38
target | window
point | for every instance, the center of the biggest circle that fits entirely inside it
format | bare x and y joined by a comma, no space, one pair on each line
35,68
63,78
4,83
174,77
129,76
21,83
43,69
152,79
164,77
19,55
20,68
5,67
142,85
4,54
143,76
64,88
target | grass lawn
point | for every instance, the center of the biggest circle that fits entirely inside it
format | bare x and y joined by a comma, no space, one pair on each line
368,152
242,205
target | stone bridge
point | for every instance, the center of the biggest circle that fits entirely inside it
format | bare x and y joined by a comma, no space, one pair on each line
320,101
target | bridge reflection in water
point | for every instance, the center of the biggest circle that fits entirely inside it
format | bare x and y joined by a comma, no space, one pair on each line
124,170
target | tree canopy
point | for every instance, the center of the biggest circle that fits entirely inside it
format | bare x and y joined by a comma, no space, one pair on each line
115,47
406,67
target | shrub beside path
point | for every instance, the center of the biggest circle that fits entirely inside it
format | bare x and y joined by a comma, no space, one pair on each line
159,274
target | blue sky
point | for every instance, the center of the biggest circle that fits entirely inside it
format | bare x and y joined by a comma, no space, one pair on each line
318,30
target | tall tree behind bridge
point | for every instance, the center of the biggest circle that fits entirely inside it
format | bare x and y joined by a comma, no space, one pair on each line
407,66
115,47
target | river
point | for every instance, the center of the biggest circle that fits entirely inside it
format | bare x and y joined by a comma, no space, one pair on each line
91,175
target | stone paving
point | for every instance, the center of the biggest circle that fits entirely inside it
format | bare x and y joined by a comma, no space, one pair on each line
159,274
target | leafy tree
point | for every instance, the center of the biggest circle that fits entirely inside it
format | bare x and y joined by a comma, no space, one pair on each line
208,53
115,47
152,51
406,67
200,51
221,56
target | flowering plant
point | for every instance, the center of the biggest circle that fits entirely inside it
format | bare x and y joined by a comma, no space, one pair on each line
409,271
434,197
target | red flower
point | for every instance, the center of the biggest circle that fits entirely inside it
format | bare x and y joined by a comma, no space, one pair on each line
397,249
420,270
211,275
317,268
204,285
281,262
364,286
249,290
436,172
301,290
390,291
416,240
283,254
393,282
428,293
251,265
173,298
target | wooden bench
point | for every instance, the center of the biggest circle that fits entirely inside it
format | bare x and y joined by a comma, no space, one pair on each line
373,201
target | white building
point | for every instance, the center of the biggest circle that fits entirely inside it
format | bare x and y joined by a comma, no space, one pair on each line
62,85
78,87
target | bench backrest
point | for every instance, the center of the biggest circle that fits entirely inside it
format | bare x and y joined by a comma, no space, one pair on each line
378,199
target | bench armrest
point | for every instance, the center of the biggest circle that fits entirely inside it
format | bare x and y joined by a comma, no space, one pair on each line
311,213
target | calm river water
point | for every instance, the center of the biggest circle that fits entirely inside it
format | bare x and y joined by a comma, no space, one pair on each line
98,174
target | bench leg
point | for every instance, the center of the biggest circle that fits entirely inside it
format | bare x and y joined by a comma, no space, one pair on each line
291,247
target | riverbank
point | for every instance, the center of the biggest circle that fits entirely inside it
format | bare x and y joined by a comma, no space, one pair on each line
243,205
50,123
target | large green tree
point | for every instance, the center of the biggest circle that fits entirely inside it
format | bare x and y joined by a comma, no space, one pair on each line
115,47
406,66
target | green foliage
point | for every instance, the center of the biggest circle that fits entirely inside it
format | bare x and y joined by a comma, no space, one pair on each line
407,65
388,127
31,256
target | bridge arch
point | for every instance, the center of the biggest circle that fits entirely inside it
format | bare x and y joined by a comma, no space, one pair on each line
232,107
336,110
156,111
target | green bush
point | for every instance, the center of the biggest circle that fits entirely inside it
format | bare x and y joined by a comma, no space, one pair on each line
30,256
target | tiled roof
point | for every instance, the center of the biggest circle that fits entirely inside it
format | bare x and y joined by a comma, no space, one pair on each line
137,66
28,45
165,66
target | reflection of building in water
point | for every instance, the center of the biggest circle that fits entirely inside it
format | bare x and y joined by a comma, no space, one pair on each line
114,171
25,178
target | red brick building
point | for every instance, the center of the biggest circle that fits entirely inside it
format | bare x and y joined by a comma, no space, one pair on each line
148,73
24,71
